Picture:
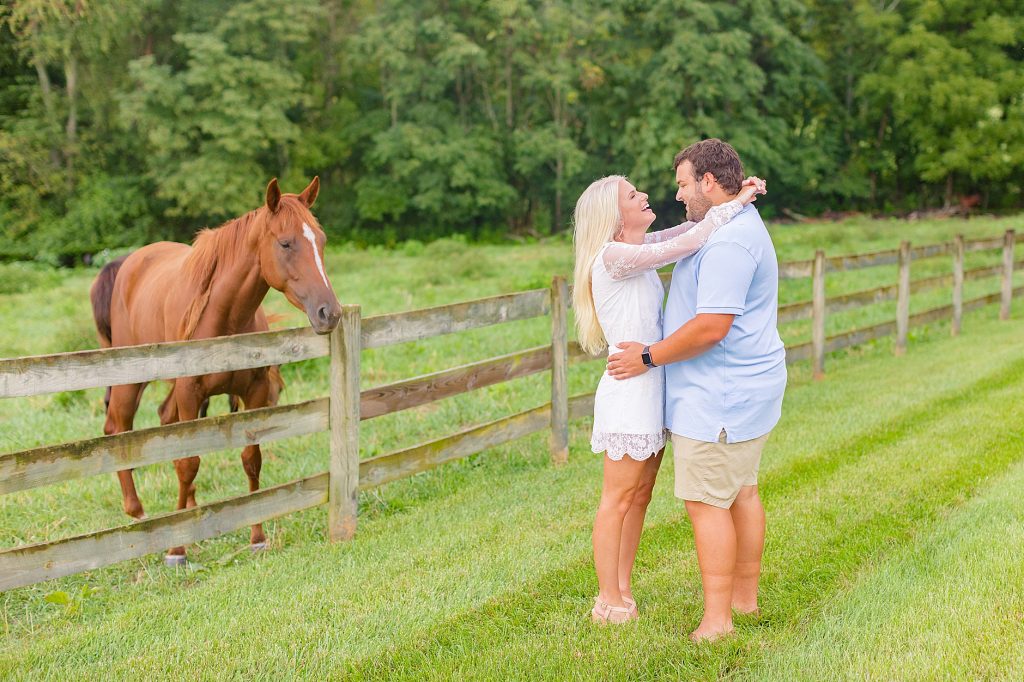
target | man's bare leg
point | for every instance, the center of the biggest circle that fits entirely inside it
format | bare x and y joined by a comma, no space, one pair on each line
749,523
715,537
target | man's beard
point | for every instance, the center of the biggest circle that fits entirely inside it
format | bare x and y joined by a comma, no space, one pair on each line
698,207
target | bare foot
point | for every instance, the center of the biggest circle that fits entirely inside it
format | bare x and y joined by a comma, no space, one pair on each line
746,609
710,633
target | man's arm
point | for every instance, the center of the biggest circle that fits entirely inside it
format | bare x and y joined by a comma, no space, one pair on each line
724,277
697,336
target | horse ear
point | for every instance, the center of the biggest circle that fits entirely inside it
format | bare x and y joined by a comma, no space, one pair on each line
308,195
273,196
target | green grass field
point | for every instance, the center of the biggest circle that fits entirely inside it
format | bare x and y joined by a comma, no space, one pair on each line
895,527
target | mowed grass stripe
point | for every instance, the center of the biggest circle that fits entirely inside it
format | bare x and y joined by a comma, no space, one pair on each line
824,530
948,606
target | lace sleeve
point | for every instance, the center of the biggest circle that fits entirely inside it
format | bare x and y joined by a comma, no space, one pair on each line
664,235
628,260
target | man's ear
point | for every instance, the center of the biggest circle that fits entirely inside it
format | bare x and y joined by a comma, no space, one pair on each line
707,182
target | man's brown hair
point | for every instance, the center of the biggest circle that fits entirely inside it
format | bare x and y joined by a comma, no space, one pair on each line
716,157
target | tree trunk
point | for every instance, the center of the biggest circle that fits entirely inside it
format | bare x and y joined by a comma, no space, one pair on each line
46,88
71,129
879,141
559,168
559,162
510,120
330,73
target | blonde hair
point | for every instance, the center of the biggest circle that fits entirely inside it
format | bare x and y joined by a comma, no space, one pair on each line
596,220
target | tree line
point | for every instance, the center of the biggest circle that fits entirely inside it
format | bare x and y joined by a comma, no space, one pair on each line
128,121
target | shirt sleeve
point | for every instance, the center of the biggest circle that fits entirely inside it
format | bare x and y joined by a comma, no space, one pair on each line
623,260
724,275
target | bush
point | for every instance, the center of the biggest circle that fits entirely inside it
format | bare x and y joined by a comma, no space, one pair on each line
107,212
412,248
20,277
452,260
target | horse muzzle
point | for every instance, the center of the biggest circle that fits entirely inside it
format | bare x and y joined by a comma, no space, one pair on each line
323,317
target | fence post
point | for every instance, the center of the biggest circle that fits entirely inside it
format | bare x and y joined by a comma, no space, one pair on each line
1008,242
958,283
559,440
818,314
903,300
342,503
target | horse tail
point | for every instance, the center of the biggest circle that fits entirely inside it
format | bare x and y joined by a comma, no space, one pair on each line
276,383
168,410
101,294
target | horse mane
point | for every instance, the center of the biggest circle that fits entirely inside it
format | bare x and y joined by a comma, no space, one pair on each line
210,248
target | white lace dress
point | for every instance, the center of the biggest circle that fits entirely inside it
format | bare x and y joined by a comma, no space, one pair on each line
628,295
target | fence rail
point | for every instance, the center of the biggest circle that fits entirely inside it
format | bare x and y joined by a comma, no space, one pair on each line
803,310
107,454
386,330
39,374
861,335
341,412
34,563
803,268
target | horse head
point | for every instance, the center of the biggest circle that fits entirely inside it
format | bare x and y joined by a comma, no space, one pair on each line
291,251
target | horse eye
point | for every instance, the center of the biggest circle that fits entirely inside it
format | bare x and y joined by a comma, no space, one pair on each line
285,244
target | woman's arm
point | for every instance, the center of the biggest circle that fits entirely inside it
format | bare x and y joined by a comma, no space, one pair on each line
665,235
623,260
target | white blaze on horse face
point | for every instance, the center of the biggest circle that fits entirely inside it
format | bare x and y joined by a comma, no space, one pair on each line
307,232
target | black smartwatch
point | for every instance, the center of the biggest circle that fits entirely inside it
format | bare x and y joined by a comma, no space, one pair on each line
645,355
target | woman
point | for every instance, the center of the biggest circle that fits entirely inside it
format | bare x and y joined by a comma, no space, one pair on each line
617,297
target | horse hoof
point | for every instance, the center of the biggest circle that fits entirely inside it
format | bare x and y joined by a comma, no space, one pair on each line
175,560
257,547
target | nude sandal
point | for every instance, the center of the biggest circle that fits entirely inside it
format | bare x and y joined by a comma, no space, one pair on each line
605,613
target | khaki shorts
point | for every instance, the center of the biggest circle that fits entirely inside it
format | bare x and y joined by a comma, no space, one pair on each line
713,473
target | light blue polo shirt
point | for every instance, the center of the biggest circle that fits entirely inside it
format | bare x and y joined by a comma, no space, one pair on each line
738,384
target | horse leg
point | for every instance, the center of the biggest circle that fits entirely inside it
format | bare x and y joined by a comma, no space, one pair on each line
186,398
252,462
121,408
258,395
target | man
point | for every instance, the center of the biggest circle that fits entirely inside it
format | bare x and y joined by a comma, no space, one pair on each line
725,376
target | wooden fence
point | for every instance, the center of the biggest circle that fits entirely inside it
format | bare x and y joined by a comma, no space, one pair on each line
341,412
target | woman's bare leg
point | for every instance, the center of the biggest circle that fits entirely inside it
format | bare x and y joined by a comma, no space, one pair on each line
620,483
633,523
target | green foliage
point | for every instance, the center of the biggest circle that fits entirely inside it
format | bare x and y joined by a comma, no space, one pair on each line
425,119
106,212
20,277
214,128
72,602
954,87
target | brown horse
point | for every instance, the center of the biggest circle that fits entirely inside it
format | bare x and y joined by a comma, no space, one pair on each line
171,292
